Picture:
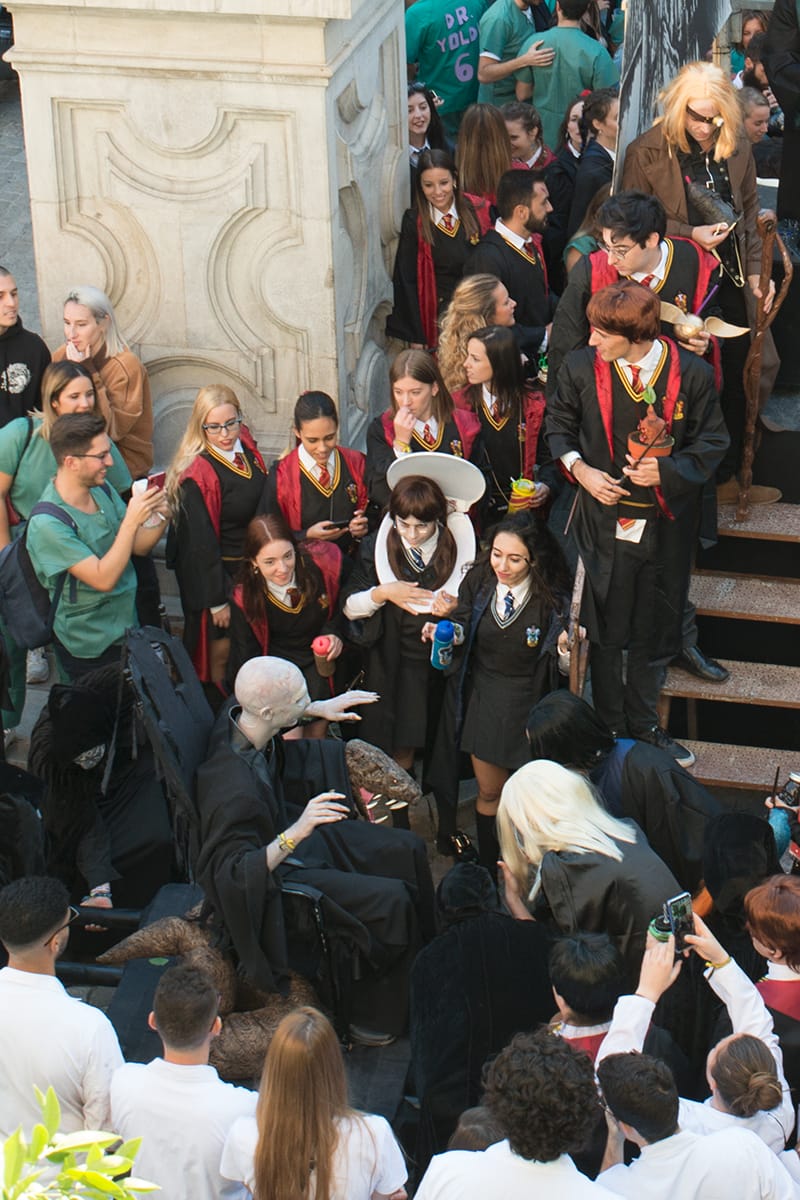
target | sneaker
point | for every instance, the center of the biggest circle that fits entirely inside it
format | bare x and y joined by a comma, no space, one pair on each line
38,668
659,737
9,737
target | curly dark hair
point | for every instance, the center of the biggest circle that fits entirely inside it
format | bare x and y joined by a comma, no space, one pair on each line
548,566
543,1094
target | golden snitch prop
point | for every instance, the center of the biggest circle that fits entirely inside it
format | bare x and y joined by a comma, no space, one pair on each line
687,325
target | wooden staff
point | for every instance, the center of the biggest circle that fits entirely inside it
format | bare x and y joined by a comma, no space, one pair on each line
767,227
578,646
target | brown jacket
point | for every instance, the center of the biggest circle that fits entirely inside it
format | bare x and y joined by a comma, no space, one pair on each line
123,397
650,167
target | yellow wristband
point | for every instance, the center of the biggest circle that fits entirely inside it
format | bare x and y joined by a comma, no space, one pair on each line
286,843
718,966
403,447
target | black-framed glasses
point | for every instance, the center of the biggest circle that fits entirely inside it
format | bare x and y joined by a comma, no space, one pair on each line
100,457
716,120
234,423
74,913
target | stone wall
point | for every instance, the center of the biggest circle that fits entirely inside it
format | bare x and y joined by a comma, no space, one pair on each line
232,174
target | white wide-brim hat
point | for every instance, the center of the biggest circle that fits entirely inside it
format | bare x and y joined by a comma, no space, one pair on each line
463,485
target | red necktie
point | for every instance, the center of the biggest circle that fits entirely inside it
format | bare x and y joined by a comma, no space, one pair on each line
495,411
647,281
427,435
447,221
293,596
324,477
635,371
529,249
239,461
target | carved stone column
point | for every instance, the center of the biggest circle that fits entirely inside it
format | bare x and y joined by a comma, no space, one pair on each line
232,173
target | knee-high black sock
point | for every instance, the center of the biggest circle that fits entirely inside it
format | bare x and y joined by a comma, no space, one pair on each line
488,845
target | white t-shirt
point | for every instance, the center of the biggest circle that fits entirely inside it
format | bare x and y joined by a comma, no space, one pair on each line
183,1114
367,1158
733,1164
49,1038
499,1174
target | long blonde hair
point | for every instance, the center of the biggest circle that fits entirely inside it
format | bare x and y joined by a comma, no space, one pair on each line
700,81
544,806
472,307
303,1092
194,441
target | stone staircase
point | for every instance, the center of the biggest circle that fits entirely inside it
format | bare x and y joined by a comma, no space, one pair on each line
755,598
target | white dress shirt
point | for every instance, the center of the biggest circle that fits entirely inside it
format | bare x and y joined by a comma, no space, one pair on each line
748,1014
438,217
183,1114
360,605
281,594
47,1037
313,467
730,1165
520,592
499,1174
658,272
229,455
366,1158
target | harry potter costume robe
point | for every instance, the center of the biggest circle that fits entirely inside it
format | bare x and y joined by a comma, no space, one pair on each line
377,895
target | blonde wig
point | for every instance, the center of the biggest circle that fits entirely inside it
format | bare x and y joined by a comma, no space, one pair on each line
472,307
102,310
544,806
700,81
194,441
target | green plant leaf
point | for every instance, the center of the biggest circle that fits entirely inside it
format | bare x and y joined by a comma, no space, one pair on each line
130,1148
13,1158
80,1142
140,1185
94,1179
39,1139
51,1111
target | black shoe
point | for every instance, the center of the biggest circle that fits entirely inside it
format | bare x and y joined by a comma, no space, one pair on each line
657,736
456,845
692,659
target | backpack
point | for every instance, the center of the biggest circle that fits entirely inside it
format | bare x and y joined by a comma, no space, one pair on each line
26,608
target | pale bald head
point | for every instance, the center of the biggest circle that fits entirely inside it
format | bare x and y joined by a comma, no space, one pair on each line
272,692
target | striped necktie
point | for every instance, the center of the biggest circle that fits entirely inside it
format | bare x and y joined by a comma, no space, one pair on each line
508,600
637,384
416,558
324,477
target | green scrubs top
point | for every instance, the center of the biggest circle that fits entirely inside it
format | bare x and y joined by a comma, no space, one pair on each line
87,621
580,63
503,29
442,37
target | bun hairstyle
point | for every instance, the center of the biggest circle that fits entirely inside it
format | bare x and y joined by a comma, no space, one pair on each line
744,1072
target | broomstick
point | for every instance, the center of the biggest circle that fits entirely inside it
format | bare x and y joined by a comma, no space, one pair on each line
767,227
578,646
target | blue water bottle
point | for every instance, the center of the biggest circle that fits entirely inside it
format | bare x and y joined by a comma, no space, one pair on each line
442,645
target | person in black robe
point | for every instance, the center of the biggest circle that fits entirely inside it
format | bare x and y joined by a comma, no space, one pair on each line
386,624
560,177
512,607
435,237
680,273
781,59
263,828
596,168
285,598
512,252
216,486
480,981
625,501
634,780
422,418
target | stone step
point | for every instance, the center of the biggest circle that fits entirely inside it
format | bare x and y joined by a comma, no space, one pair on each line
746,597
766,684
751,768
765,522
